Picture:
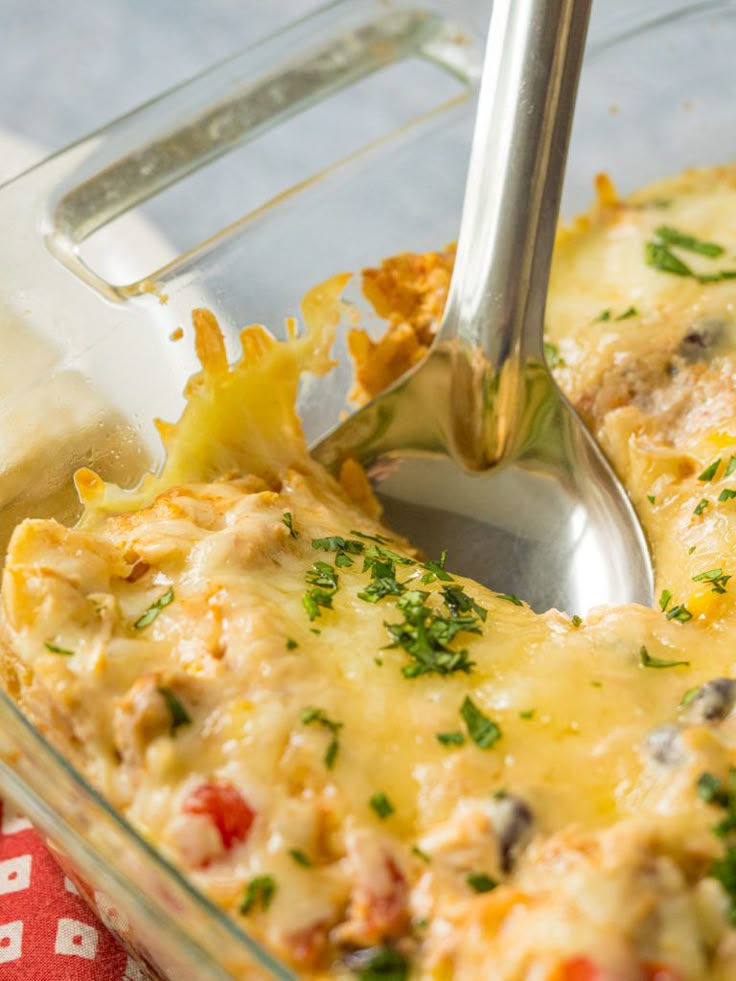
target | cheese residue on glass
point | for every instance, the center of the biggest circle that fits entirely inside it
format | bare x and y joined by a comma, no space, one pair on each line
381,768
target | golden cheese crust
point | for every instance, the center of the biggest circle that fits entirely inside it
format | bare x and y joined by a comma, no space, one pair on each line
379,766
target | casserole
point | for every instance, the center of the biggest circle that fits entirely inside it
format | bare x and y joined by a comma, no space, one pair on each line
120,338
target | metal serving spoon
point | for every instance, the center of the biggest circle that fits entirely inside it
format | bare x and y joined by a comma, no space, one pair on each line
476,450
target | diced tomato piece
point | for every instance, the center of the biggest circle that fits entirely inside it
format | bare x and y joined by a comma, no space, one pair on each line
225,807
652,971
577,969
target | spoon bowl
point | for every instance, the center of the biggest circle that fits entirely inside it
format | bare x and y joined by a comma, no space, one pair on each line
476,451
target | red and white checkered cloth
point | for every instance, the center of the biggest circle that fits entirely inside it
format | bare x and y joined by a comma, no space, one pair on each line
47,931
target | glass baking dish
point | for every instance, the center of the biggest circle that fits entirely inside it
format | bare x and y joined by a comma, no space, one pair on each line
88,362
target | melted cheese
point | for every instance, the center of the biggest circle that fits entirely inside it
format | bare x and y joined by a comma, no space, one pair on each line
585,810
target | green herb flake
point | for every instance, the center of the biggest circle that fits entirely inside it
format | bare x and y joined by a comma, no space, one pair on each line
651,498
377,589
459,603
671,236
291,644
660,257
479,882
576,621
724,871
527,714
710,471
715,577
384,964
689,695
483,731
455,738
300,857
149,615
259,893
381,805
631,312
421,855
317,716
314,600
603,316
664,599
688,242
179,715
701,506
726,494
721,794
425,635
647,661
335,543
552,355
731,466
437,570
680,613
288,520
55,649
691,550
510,598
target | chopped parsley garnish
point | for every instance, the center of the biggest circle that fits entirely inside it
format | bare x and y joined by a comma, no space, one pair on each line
701,506
300,857
343,560
510,598
660,256
426,634
710,471
688,242
603,316
314,599
689,695
479,882
527,714
289,522
335,543
324,581
381,805
291,644
552,355
259,892
458,602
651,498
631,312
311,716
715,577
483,731
714,791
647,661
664,599
149,615
381,539
416,850
679,613
727,494
731,465
724,871
322,574
455,738
436,570
55,649
718,793
179,715
377,589
576,621
384,964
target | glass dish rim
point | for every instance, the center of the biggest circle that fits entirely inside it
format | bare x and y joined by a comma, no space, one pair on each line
55,759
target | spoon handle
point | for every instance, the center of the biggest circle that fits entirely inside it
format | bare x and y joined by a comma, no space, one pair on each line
527,97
